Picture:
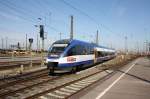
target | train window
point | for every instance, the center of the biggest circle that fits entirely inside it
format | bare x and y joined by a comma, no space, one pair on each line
99,54
57,49
88,49
72,51
84,51
81,50
103,54
77,50
91,50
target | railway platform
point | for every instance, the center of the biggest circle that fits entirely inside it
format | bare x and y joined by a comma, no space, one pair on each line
130,82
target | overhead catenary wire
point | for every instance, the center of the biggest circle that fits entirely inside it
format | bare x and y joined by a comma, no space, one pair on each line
45,4
19,13
80,11
22,14
90,17
21,9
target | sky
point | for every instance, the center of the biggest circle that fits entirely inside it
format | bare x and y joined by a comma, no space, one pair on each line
114,19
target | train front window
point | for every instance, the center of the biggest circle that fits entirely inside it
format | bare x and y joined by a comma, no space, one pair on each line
57,48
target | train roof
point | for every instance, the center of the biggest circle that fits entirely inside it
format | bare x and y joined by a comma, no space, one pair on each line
98,47
67,41
64,41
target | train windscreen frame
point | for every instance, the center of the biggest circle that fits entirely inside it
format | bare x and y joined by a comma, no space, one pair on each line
57,49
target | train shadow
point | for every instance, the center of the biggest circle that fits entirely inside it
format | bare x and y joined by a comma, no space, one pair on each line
59,74
137,77
70,72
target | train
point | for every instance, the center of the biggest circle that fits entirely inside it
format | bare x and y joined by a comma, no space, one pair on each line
72,54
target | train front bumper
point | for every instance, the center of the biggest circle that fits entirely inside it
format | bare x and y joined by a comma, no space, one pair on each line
51,65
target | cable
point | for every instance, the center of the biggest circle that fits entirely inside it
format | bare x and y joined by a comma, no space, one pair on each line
85,14
56,30
91,18
19,14
23,13
19,9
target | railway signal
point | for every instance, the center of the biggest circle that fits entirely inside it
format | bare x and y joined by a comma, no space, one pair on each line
30,40
18,45
42,31
42,37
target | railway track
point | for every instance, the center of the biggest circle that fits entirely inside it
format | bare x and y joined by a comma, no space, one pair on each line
15,64
15,61
22,85
43,86
12,90
67,90
34,87
20,78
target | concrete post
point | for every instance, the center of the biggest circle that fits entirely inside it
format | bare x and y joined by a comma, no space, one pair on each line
95,56
21,68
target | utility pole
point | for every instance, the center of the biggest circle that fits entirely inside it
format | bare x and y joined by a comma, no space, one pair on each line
23,45
111,45
60,35
126,46
71,30
37,42
6,42
147,47
2,43
30,48
43,45
26,42
97,37
145,50
138,50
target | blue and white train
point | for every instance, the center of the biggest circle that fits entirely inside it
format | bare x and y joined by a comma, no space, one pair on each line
70,55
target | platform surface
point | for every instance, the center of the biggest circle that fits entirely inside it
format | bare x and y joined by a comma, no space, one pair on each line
130,82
